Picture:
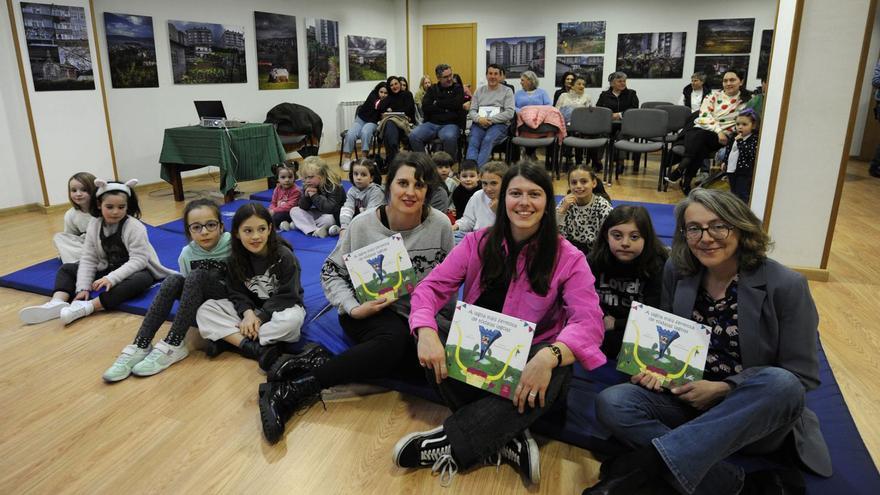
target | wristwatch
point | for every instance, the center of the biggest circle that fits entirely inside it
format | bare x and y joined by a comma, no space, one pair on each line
556,352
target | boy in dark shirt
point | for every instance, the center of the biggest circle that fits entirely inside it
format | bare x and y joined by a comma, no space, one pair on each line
469,183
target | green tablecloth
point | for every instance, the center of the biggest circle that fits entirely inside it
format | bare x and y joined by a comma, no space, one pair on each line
256,146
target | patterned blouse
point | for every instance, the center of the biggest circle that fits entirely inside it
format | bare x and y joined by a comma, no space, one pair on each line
723,358
719,111
581,224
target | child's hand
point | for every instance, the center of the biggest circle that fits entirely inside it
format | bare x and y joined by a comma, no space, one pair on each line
493,204
566,203
311,191
82,295
250,325
609,322
102,282
722,138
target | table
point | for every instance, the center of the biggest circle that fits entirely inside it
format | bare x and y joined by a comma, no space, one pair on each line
242,153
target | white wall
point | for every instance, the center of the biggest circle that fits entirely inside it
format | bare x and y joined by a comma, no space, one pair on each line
828,54
866,97
138,117
18,166
508,18
70,125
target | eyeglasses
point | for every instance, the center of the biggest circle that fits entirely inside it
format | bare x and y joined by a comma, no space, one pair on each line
717,231
196,228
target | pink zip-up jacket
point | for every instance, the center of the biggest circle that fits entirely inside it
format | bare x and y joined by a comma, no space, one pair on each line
569,313
290,196
535,115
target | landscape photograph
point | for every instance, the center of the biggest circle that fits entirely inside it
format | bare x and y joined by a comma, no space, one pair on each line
277,64
131,50
206,53
367,58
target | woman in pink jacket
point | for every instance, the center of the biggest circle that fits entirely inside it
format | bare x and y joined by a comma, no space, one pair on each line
520,267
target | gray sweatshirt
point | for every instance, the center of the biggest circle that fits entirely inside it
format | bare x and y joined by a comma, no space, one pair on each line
427,245
501,97
356,201
141,254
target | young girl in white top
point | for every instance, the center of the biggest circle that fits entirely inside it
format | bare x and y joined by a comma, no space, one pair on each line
81,191
582,211
365,192
480,210
322,198
117,260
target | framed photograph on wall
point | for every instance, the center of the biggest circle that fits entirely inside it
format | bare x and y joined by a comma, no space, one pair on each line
714,66
651,55
58,47
206,53
131,51
725,36
322,38
517,55
588,67
277,63
764,54
367,58
580,38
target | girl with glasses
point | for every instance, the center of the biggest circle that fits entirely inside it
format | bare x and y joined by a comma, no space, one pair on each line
202,265
761,361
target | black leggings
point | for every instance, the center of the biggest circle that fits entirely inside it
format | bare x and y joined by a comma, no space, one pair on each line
133,286
384,346
192,291
280,216
699,144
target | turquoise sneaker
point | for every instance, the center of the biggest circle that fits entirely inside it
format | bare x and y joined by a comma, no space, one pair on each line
162,356
130,356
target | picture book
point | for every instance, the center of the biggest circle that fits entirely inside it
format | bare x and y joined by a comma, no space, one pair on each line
381,269
666,345
488,111
487,349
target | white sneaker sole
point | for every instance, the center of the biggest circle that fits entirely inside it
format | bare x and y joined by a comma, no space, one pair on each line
38,314
534,460
398,447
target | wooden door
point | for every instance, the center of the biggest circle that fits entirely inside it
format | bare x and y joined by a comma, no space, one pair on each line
452,44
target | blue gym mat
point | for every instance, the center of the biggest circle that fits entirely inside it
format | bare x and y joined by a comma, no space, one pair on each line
573,422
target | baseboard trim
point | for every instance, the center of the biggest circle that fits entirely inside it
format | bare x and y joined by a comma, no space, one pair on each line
814,274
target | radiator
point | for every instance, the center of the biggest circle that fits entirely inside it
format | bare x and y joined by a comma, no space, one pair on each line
345,113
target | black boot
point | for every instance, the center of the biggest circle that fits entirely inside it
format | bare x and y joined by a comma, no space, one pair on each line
637,472
280,400
292,366
214,348
265,355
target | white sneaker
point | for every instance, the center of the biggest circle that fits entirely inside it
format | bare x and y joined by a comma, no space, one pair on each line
44,312
75,311
130,356
162,356
322,232
346,165
333,230
285,226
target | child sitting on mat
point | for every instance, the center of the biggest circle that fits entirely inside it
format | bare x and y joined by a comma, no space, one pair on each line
81,192
365,191
284,197
117,257
264,304
321,201
581,212
202,276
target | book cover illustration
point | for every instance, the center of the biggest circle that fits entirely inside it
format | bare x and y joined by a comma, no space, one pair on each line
381,269
663,344
487,349
488,111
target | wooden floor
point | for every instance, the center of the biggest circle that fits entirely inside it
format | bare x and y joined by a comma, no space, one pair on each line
195,428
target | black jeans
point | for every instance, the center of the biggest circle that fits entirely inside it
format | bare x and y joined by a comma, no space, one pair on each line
482,422
391,138
280,216
384,346
699,144
133,286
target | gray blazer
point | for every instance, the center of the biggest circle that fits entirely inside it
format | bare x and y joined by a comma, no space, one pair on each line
774,305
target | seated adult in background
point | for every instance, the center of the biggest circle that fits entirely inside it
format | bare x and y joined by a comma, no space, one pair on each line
365,123
444,115
424,84
694,93
491,110
468,95
713,128
520,267
618,98
576,97
756,103
761,361
567,82
404,84
379,329
504,80
530,93
399,103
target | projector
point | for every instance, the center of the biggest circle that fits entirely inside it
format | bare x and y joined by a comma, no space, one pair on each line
219,123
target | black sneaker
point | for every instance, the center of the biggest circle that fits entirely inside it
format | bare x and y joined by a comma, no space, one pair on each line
522,453
421,448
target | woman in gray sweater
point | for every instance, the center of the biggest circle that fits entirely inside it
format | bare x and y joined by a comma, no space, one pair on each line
379,328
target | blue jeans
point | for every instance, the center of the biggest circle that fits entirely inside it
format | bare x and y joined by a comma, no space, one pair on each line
483,140
424,133
755,417
362,130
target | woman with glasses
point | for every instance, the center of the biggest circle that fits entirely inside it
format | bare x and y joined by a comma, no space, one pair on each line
760,362
202,272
